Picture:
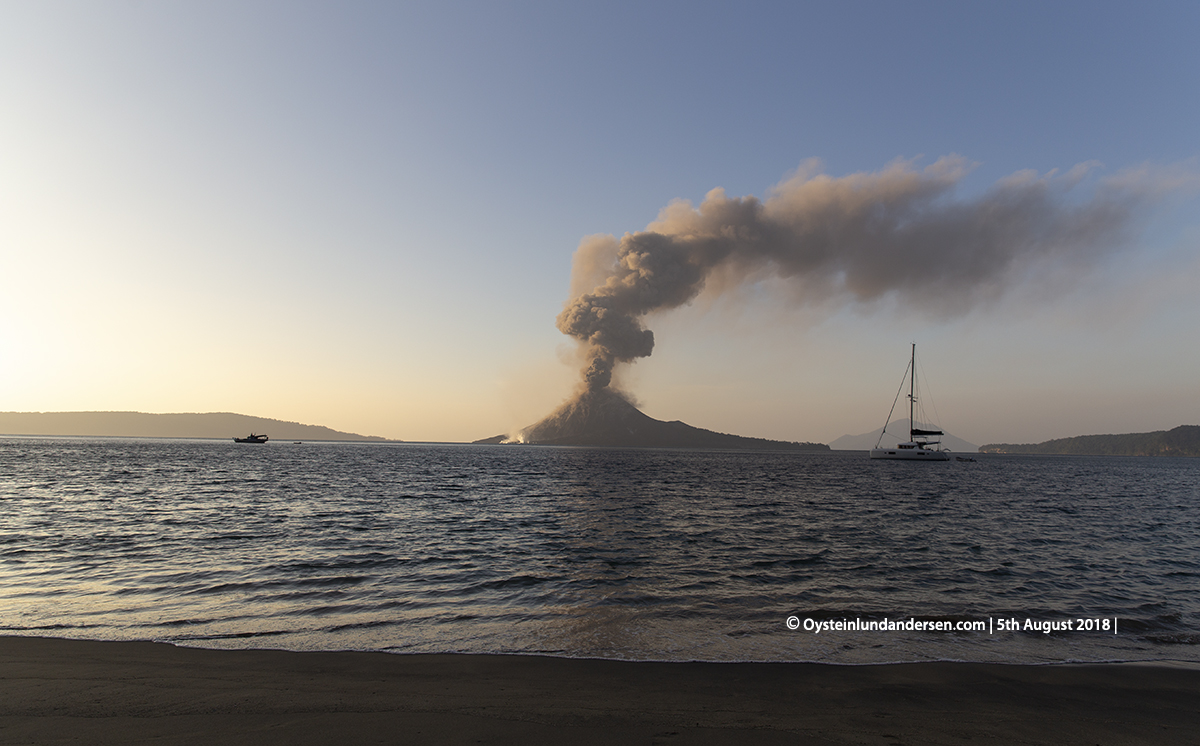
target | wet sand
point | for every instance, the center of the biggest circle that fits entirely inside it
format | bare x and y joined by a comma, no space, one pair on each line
69,691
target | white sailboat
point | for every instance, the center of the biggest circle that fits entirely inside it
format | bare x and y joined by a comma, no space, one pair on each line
919,446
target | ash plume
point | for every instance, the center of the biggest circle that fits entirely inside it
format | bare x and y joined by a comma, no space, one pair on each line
896,233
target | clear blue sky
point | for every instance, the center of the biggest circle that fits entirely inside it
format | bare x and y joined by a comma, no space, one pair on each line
363,215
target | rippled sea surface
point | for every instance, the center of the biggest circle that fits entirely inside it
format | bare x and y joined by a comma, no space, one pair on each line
637,554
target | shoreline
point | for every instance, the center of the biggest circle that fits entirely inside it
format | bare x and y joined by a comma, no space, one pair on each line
55,690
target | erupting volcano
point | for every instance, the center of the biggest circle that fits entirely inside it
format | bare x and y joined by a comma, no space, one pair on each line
896,235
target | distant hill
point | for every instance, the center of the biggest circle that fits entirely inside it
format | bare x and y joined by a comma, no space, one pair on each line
605,418
867,441
1182,441
142,425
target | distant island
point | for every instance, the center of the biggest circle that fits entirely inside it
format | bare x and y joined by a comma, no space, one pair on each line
143,425
898,432
1181,441
605,418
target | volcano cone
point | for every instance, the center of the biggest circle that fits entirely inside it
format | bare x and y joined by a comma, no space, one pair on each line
603,417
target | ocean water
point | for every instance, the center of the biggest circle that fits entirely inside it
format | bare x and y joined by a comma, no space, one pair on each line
582,552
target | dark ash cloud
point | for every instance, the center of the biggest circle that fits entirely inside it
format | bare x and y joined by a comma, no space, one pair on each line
898,232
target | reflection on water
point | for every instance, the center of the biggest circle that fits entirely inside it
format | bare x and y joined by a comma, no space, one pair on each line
593,552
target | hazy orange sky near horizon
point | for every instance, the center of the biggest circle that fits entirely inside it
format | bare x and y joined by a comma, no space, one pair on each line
364,216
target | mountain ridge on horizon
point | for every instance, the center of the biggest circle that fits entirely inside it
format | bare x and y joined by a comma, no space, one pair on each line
1183,440
167,425
605,418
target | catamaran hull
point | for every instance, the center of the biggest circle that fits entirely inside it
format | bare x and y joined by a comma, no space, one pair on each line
911,454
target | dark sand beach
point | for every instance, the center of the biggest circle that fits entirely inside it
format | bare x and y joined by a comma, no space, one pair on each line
70,691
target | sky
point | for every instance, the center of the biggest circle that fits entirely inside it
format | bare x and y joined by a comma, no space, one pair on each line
364,215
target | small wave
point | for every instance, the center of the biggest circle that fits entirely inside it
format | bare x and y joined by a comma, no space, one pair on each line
1179,638
253,585
185,622
235,635
518,581
373,560
811,559
51,627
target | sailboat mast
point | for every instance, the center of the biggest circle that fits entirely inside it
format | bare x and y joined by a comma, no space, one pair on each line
912,393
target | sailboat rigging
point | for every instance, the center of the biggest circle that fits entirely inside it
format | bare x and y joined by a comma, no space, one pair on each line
919,446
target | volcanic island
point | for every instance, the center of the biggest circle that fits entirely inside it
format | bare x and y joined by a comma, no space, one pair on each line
603,417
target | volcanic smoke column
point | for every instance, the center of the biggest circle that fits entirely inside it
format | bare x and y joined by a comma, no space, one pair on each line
653,271
894,233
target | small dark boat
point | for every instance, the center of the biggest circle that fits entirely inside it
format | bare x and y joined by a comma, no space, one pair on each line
251,439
